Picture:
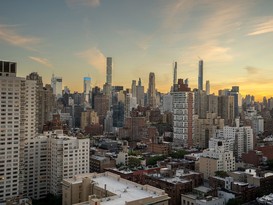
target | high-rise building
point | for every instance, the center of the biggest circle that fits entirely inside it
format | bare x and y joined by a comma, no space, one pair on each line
31,179
216,159
39,99
87,91
187,82
133,88
200,103
44,99
237,100
101,106
56,84
89,117
256,121
68,156
152,91
207,87
243,137
118,114
183,111
12,130
109,70
108,122
130,103
107,87
212,104
174,74
167,103
205,129
140,93
200,76
226,109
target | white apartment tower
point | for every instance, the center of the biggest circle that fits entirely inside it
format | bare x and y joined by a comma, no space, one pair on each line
56,84
11,130
183,111
243,138
68,156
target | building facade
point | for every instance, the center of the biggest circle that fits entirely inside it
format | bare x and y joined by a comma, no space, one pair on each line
183,111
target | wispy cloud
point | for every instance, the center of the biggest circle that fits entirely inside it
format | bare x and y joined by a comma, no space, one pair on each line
176,13
42,61
251,70
210,52
263,27
95,58
223,19
90,3
9,34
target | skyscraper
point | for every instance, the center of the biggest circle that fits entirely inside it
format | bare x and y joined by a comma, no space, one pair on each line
151,91
56,84
237,100
226,109
140,93
183,112
18,126
87,91
133,88
10,117
174,74
109,70
44,98
207,87
200,76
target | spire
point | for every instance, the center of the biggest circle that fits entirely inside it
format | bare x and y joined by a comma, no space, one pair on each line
139,82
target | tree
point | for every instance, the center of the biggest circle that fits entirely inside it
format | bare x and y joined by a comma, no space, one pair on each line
178,154
270,164
50,199
221,174
134,162
234,202
153,160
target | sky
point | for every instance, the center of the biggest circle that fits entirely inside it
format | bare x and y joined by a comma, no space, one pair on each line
72,38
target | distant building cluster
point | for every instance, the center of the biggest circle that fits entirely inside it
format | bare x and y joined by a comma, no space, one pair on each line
131,146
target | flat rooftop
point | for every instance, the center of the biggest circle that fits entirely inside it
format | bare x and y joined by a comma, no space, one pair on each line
176,178
124,190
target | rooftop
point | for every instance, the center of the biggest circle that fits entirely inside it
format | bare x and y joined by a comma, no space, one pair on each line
124,190
176,178
202,189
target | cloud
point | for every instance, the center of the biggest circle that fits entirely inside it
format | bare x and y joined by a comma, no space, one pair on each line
95,58
42,61
251,70
261,28
175,14
211,52
10,35
90,3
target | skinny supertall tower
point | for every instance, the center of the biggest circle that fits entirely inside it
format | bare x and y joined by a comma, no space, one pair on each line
200,76
109,71
151,91
174,74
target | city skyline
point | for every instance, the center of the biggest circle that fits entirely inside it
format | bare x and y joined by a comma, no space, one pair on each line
75,37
